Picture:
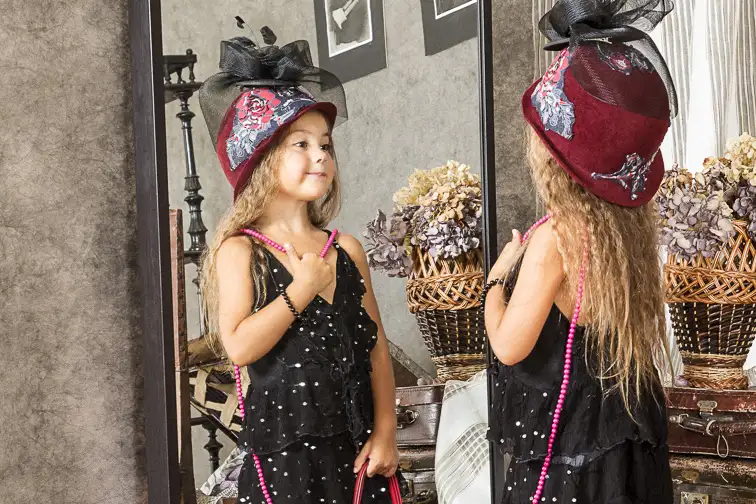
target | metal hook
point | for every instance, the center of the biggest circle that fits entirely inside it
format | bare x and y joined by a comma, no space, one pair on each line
727,446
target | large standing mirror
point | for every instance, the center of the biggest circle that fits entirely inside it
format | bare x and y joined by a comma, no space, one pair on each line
410,74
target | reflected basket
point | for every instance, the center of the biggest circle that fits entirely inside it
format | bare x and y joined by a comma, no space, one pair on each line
712,304
444,295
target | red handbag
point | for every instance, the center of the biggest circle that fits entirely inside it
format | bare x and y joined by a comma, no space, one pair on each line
359,487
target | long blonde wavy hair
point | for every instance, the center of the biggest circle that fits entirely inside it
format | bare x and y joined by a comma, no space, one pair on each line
251,204
623,287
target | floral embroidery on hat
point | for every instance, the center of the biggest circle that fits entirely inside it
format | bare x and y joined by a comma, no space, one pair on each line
258,114
556,110
623,58
633,175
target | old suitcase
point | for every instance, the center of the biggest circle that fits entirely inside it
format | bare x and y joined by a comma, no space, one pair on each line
712,422
711,480
418,468
418,410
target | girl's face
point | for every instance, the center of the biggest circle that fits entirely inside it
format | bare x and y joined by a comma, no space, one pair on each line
307,167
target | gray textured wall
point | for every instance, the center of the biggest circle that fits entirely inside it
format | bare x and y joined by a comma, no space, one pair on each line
513,72
417,113
72,423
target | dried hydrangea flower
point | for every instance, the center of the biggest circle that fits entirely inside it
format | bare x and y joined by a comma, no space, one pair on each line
447,239
440,210
745,207
385,246
695,218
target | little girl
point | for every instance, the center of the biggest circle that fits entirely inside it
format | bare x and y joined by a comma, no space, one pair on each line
576,318
288,299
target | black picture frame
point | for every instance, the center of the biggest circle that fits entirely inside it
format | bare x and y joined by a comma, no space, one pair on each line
447,23
363,51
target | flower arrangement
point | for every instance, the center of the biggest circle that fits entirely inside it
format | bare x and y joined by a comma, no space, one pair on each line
697,210
439,211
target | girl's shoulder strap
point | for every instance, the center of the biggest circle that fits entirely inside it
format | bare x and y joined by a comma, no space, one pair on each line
331,239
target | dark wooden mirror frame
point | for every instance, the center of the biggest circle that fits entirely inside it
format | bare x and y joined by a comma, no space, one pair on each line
150,163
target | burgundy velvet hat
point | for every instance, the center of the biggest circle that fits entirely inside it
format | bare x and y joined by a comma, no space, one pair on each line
258,91
604,105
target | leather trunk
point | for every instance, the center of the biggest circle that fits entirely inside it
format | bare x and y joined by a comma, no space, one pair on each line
418,468
711,480
418,410
712,422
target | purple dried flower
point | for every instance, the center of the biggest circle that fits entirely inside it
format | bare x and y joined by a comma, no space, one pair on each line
385,246
694,220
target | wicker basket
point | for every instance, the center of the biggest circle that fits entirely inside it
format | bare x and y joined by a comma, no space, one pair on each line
712,304
444,295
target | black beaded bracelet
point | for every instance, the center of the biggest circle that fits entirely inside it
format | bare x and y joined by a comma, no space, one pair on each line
293,310
488,287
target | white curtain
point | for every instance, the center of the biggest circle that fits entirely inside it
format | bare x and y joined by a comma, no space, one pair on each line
710,48
542,58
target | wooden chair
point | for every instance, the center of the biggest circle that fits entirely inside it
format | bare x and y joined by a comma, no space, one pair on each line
183,395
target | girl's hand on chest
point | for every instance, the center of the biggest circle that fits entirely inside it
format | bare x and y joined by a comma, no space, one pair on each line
310,269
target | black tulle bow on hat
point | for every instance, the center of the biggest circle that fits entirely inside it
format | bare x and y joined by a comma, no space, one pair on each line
289,65
244,64
608,28
571,22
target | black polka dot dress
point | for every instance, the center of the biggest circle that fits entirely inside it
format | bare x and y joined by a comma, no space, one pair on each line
600,456
309,405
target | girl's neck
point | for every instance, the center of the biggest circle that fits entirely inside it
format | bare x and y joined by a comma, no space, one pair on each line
285,218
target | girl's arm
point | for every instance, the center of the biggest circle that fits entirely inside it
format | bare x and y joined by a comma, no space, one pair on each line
381,449
248,337
513,329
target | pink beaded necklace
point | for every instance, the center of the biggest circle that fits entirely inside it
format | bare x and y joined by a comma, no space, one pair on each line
280,248
567,364
237,373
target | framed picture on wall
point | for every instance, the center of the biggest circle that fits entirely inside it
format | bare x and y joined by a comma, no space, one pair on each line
446,23
351,37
